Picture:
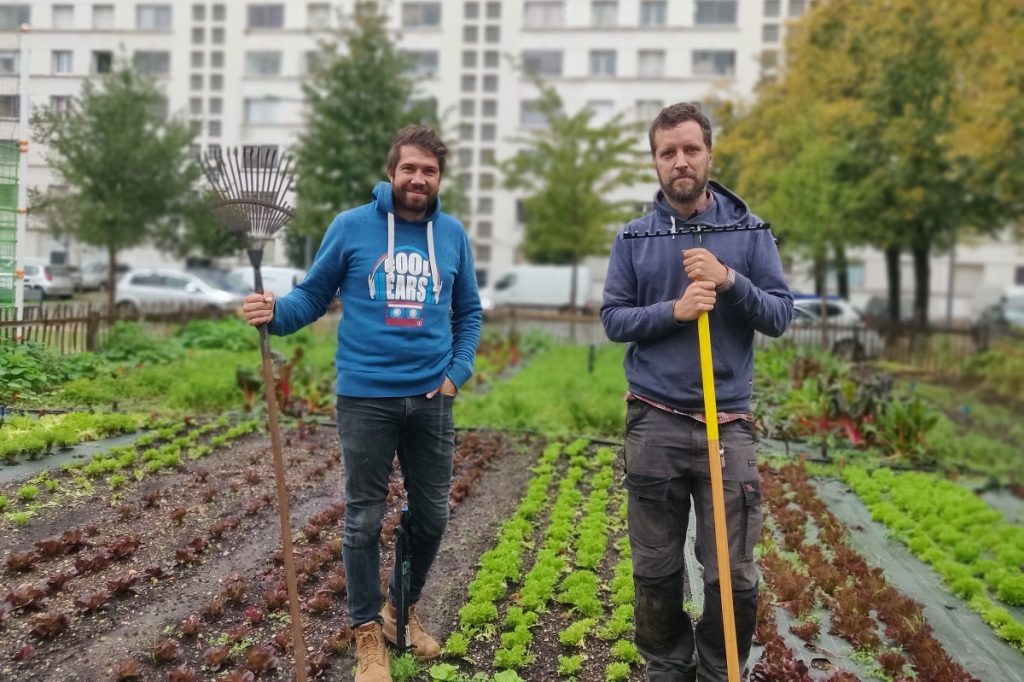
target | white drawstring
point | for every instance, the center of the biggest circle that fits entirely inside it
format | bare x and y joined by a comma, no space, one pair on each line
433,261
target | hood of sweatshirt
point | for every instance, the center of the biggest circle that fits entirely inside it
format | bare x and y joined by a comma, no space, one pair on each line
726,209
384,201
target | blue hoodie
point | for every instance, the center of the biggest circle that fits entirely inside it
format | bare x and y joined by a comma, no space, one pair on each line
403,329
645,277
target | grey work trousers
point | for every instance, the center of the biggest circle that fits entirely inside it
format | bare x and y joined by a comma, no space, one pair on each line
666,467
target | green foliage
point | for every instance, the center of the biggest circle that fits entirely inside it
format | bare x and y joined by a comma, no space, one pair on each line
129,342
457,645
3,503
999,370
574,634
231,333
616,672
626,651
570,665
351,119
125,170
26,369
568,169
405,667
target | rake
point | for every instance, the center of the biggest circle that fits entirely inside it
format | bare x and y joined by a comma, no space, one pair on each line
251,191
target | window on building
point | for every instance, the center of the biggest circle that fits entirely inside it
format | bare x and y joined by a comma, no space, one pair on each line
490,83
217,36
471,10
465,157
470,34
421,15
9,62
466,131
491,59
489,108
63,17
10,106
219,12
544,14
152,63
213,128
485,205
195,82
261,110
715,12
262,63
797,7
198,60
217,60
308,62
421,63
1018,277
102,61
772,8
492,34
259,156
469,59
604,13
770,33
102,17
485,228
488,157
467,108
543,62
653,13
217,82
216,106
714,62
602,62
520,211
650,63
61,62
604,110
195,106
466,180
318,15
482,253
153,17
468,83
60,104
13,16
265,16
198,12
494,10
769,59
488,132
648,109
426,105
530,115
198,36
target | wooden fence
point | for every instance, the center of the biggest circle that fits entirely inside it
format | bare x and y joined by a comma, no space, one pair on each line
75,328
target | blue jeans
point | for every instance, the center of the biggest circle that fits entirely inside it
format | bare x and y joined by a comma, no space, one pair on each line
373,430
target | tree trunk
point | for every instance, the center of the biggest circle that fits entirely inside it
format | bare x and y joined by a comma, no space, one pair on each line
842,273
819,275
922,281
111,276
892,271
572,299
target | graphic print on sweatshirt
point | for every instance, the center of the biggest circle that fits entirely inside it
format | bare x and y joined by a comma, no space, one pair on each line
406,286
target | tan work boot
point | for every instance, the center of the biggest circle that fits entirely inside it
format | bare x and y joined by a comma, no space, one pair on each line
422,645
372,663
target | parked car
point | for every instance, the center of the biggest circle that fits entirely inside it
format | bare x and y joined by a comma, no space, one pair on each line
279,280
74,273
94,275
845,333
51,281
139,288
1007,313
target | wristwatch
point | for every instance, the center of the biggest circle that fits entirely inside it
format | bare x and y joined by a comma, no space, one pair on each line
730,279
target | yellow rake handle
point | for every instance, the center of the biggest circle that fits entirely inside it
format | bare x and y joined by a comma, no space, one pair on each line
707,376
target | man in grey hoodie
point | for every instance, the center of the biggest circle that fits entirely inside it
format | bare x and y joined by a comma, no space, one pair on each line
655,290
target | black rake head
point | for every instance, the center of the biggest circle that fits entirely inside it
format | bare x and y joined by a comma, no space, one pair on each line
251,188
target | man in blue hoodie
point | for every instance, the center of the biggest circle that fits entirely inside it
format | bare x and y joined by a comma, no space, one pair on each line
406,343
655,290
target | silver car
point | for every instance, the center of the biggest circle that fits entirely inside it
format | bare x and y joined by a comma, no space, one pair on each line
171,288
51,281
848,338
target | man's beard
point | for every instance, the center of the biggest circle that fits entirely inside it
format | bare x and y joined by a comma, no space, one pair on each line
683,196
402,202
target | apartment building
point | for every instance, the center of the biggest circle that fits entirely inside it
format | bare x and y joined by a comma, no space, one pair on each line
234,69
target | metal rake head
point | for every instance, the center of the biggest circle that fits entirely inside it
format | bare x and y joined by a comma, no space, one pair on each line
251,188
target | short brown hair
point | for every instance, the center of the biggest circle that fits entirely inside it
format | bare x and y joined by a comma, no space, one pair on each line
674,114
420,136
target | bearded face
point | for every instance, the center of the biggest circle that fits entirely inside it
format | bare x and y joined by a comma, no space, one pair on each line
683,163
415,182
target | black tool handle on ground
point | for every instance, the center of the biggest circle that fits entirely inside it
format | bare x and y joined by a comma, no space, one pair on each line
403,565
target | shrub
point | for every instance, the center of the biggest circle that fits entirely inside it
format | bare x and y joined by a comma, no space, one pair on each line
27,493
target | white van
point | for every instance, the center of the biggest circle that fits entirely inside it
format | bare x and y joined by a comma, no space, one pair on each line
279,280
541,286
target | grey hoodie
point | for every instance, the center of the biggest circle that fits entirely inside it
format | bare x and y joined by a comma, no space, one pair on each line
645,277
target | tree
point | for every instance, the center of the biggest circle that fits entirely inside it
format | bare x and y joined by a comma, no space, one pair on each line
125,170
568,170
359,95
872,105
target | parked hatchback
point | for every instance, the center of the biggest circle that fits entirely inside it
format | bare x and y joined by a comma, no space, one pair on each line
94,275
51,281
141,288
